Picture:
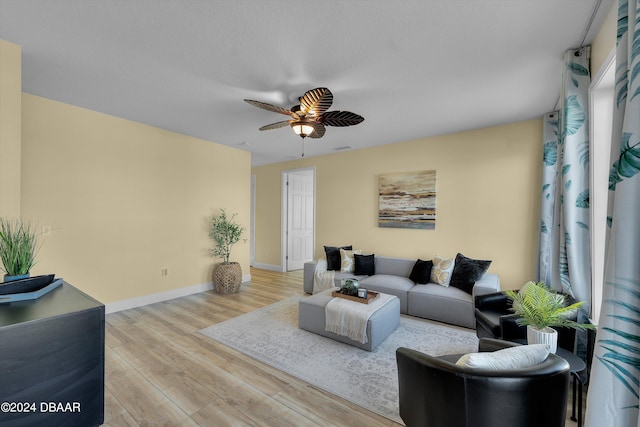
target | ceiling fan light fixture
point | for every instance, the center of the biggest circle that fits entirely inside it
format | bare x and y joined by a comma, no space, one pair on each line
302,128
310,117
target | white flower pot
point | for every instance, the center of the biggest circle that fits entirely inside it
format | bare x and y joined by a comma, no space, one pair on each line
543,336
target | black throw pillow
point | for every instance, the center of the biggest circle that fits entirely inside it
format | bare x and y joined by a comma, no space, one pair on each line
466,272
365,265
421,272
333,256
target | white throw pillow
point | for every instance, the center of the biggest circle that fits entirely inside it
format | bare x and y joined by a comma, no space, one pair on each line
519,357
347,260
441,270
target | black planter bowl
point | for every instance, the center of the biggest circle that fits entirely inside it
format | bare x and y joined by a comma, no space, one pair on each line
30,284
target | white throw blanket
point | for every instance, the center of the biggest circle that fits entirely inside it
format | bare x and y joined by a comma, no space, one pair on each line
322,279
349,318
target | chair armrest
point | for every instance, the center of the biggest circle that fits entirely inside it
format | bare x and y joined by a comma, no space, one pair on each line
510,328
495,301
419,395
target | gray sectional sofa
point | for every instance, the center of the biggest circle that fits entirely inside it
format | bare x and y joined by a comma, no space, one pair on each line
429,301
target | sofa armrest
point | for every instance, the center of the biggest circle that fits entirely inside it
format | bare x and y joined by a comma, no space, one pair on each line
489,283
309,271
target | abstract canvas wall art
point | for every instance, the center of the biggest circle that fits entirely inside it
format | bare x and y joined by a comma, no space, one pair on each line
407,200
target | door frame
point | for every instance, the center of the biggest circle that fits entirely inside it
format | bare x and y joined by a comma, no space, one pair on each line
252,232
284,212
601,98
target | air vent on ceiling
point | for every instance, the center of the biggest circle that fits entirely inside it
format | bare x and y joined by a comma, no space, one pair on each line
346,147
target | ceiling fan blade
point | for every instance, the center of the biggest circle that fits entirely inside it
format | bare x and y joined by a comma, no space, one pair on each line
341,118
316,101
269,107
318,130
276,125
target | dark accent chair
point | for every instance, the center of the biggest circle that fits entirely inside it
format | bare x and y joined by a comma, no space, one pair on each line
434,392
495,319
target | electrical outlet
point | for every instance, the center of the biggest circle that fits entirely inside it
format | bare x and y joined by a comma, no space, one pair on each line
164,272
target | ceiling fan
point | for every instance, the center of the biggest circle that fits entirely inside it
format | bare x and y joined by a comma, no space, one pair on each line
309,118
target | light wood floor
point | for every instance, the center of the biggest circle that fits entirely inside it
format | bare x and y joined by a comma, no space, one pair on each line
160,371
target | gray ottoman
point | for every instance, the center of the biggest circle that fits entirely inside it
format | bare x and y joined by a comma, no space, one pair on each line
311,317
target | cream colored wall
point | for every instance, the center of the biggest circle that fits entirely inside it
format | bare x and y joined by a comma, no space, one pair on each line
125,200
10,128
487,199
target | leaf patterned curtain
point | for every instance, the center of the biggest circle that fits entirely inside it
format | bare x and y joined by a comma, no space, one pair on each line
614,393
548,270
564,259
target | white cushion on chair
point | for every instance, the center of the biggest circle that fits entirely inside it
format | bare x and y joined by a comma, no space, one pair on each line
523,356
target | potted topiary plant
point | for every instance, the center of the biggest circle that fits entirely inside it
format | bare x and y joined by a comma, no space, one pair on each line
227,276
18,248
540,309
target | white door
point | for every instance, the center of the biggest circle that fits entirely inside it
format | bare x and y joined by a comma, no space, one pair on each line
299,219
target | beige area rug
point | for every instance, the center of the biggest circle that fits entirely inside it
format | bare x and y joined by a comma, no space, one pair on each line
368,379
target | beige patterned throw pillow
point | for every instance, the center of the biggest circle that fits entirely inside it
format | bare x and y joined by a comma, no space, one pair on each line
441,270
347,264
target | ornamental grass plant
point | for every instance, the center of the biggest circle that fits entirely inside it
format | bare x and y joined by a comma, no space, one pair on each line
18,246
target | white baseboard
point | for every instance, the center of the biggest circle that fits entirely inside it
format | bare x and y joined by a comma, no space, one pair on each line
162,296
268,266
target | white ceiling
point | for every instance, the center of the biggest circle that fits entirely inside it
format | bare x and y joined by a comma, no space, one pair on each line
413,69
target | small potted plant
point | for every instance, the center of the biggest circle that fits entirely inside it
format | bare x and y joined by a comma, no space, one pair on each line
349,287
18,248
227,277
540,309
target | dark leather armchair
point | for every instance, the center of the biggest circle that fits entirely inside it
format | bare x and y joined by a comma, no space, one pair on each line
495,319
434,392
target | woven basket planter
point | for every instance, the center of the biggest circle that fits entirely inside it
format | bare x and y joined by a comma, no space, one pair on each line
227,278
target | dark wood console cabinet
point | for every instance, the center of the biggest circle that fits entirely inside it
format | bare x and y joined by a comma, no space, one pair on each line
52,360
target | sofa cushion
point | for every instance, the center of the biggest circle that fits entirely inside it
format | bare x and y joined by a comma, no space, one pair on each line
421,272
389,284
444,304
467,271
441,270
438,291
365,265
388,281
333,256
394,266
